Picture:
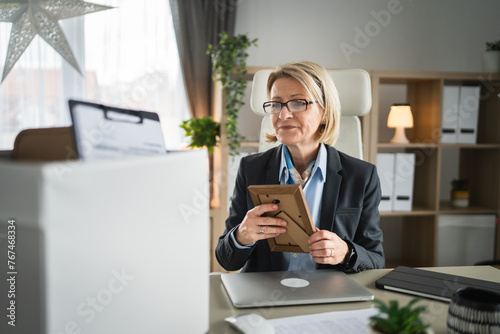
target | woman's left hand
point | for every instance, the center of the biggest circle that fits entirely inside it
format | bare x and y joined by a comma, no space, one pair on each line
327,247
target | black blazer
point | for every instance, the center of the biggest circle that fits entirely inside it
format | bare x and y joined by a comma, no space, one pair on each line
349,208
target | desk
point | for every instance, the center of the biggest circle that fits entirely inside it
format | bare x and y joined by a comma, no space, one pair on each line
221,306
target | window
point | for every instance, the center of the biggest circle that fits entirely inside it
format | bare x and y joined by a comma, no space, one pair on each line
129,58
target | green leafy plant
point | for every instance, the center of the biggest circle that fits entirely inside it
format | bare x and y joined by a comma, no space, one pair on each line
393,319
229,68
204,132
493,46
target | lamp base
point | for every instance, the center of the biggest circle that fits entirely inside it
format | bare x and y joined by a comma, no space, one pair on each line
400,136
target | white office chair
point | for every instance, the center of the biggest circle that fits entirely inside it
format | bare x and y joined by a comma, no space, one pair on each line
355,96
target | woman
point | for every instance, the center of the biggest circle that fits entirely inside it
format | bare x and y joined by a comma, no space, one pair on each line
343,193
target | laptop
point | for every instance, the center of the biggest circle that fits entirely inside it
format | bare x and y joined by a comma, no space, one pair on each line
429,284
281,288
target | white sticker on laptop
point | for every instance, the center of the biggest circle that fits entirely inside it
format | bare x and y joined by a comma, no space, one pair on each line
294,282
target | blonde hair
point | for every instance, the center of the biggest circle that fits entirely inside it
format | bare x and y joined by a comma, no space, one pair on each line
320,87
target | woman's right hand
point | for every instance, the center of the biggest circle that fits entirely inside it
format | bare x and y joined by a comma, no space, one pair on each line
254,227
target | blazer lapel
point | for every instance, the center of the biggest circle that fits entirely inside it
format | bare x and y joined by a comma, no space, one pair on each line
331,189
272,172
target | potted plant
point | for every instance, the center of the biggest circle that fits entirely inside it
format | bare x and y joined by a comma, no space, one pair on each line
491,57
460,193
393,319
229,68
203,132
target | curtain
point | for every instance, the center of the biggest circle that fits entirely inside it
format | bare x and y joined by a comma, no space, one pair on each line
132,62
129,58
198,23
29,95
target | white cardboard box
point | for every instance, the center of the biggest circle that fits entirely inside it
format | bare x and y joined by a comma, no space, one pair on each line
108,246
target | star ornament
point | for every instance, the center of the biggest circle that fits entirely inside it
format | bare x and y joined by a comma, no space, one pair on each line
40,17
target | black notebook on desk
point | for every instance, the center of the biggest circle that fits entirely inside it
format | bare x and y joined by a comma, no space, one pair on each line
429,284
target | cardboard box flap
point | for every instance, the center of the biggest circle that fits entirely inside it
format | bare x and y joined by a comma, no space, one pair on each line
46,144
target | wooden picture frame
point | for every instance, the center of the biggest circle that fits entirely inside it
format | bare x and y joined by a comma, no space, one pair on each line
292,207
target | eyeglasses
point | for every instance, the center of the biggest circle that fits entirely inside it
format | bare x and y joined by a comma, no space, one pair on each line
274,107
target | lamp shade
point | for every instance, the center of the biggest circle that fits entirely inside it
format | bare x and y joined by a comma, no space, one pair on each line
400,116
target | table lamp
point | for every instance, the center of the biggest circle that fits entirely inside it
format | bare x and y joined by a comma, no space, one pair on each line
400,117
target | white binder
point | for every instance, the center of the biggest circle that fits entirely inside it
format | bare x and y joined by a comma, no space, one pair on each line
449,114
385,169
404,172
468,114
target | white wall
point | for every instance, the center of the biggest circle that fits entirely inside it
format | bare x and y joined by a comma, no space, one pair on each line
420,35
423,35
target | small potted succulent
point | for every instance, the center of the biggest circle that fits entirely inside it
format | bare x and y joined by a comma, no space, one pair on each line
393,319
491,57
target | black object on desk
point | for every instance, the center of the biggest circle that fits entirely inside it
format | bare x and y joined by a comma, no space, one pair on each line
429,284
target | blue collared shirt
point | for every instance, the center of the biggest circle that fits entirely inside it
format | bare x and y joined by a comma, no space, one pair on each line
313,190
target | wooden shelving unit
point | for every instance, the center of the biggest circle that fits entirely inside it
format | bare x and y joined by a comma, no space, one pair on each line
479,163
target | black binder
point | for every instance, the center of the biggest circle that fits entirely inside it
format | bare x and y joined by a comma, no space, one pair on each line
429,284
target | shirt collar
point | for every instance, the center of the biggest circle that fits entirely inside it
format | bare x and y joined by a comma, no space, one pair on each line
284,174
319,166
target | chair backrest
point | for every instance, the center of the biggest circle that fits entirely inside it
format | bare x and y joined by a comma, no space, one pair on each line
355,97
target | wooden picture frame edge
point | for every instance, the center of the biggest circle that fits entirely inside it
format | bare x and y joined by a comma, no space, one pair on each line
300,203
